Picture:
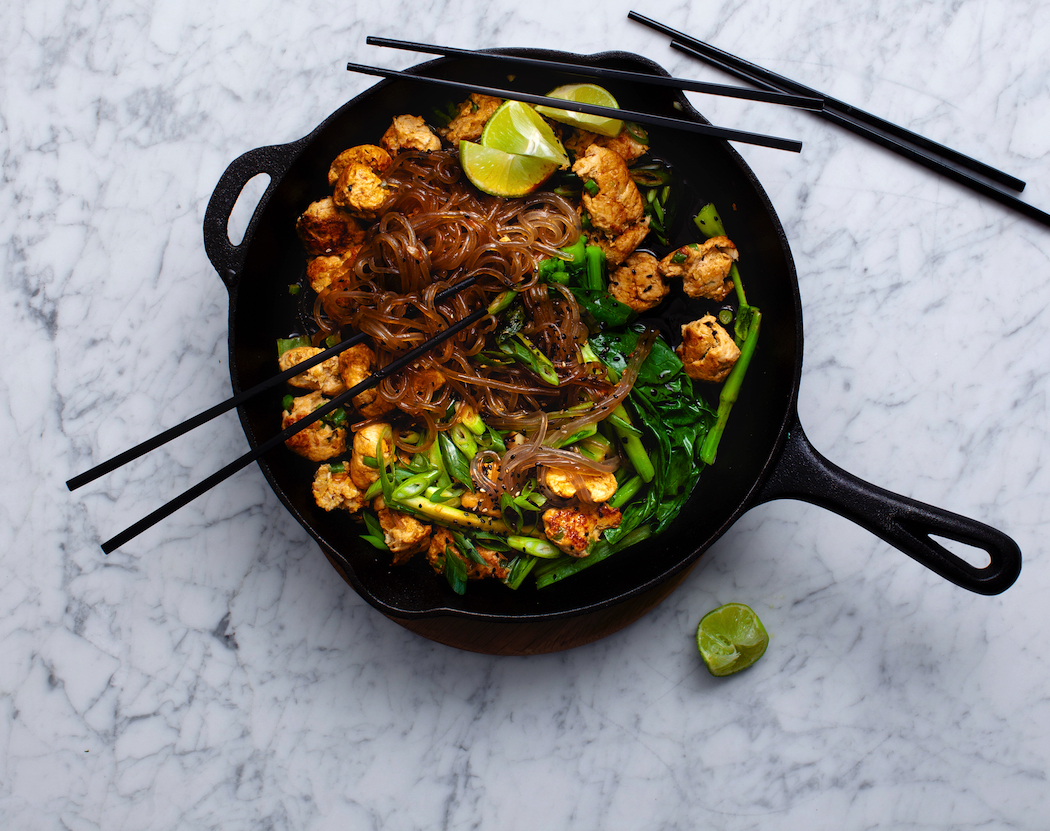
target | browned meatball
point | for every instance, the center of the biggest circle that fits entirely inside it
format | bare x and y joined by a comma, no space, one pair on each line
470,120
573,530
409,132
326,229
637,283
319,441
704,267
707,352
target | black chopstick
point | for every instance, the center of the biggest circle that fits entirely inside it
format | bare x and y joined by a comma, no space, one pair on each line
204,485
805,102
196,421
935,164
591,109
858,118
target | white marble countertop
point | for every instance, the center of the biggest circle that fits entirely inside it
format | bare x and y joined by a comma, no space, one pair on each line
215,673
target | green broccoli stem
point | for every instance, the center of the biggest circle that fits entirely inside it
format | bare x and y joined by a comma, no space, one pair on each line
628,435
554,570
626,492
574,253
738,284
731,390
710,225
631,442
594,276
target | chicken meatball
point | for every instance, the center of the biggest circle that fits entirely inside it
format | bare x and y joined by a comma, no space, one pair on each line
325,229
366,442
637,282
404,535
318,442
374,158
336,490
623,144
617,204
600,486
324,376
443,545
361,191
409,132
704,267
618,248
322,271
470,120
355,365
707,351
574,530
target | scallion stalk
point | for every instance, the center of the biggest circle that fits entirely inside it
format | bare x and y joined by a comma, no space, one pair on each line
731,390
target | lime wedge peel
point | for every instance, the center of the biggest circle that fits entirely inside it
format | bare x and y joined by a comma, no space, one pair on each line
731,638
500,173
584,94
517,128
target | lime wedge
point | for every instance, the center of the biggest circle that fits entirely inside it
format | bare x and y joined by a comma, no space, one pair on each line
517,128
584,94
500,173
731,638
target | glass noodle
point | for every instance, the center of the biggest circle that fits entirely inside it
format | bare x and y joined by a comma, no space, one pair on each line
435,231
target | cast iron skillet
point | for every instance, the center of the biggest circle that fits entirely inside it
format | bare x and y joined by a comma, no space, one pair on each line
764,454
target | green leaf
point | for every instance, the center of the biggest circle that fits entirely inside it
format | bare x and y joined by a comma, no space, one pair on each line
603,307
455,572
375,534
519,570
675,421
466,545
455,462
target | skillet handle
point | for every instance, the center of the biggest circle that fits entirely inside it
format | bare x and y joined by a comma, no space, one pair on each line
802,473
228,258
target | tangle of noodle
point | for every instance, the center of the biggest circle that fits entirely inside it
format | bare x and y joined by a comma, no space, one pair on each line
435,231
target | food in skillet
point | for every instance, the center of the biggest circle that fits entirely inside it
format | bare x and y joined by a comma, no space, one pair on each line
555,431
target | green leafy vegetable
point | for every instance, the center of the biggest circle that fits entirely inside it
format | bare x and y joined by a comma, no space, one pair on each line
677,421
603,307
374,536
455,572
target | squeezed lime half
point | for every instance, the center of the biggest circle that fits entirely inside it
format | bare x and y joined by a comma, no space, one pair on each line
584,94
731,638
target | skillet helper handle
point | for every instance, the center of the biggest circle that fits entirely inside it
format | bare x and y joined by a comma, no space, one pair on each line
904,523
228,258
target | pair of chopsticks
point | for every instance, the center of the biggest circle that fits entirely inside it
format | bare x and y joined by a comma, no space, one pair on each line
333,404
802,101
930,154
791,99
